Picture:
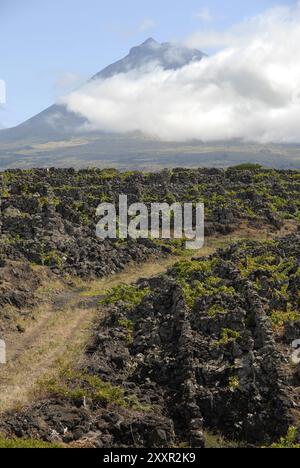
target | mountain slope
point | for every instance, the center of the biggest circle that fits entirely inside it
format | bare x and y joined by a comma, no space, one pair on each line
57,122
167,55
54,137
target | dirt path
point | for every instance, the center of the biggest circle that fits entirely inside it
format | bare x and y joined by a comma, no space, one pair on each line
64,325
61,331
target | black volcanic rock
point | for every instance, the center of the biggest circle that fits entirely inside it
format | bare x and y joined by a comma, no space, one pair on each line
49,216
166,55
204,347
216,363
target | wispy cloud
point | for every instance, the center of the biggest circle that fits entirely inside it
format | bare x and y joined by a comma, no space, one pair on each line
204,14
249,90
127,31
146,25
264,27
67,81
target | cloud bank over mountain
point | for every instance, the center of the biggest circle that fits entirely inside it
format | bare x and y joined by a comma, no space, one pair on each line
249,89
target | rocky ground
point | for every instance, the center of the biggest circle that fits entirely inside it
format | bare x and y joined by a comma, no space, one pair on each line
204,348
49,216
17,284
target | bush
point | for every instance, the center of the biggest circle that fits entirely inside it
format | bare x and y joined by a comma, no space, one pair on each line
289,441
128,325
131,296
228,335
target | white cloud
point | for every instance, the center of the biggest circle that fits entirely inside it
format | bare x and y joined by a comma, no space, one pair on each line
67,81
264,27
146,25
250,89
204,15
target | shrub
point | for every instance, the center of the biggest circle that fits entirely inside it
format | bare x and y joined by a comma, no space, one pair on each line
289,441
51,259
215,310
279,317
234,383
130,295
228,335
185,269
128,325
209,288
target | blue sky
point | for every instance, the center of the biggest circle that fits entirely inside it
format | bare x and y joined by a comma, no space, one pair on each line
49,47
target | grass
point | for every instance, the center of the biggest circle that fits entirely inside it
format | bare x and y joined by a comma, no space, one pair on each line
15,443
37,352
217,441
76,384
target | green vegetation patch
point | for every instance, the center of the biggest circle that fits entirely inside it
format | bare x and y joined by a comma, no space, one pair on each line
128,325
217,441
130,295
211,287
279,317
246,167
234,383
75,385
186,269
52,258
216,310
289,441
228,336
197,279
6,443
